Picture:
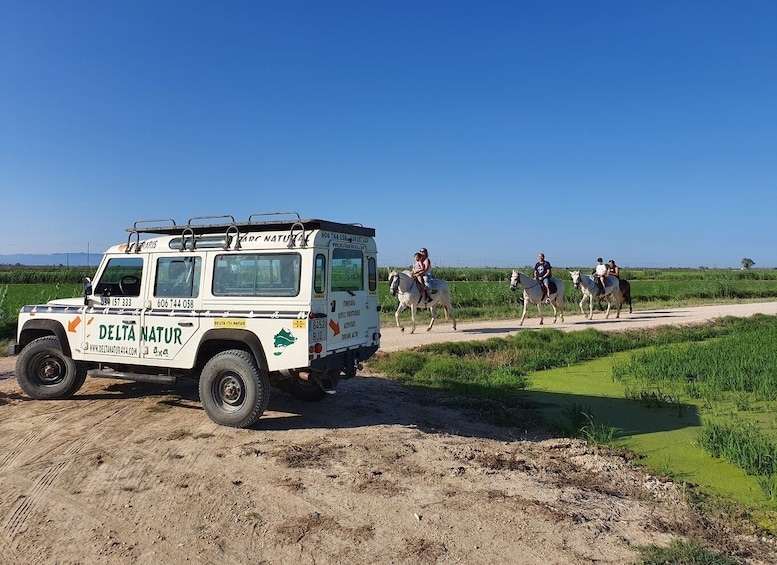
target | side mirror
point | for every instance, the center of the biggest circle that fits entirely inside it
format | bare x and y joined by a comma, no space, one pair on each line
87,290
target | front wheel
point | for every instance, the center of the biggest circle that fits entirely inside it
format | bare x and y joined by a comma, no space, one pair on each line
233,390
44,372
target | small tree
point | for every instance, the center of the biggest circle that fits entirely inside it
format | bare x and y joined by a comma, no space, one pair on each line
747,262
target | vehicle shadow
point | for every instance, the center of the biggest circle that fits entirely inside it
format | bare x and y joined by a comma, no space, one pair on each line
369,401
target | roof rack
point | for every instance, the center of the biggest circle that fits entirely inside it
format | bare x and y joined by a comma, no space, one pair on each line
193,232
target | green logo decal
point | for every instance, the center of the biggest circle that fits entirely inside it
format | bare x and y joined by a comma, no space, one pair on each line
283,339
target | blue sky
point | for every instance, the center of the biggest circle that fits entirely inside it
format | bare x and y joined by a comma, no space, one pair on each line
486,131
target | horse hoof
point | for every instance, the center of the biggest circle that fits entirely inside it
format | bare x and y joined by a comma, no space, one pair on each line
402,330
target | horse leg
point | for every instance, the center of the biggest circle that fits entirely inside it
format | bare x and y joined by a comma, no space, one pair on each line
525,304
449,310
609,303
433,312
581,306
540,311
590,315
555,310
413,310
396,315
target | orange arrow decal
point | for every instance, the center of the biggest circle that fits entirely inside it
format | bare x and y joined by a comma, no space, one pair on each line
73,324
335,327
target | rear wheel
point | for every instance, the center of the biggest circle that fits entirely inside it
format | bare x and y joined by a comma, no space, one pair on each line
233,390
44,372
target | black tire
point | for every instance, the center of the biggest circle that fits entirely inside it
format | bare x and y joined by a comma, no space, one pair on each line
301,389
45,373
233,390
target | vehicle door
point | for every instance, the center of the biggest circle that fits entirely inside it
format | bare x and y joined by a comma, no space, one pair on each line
173,318
111,324
348,307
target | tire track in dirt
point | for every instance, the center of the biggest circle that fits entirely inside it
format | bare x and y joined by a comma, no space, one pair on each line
16,520
86,422
13,453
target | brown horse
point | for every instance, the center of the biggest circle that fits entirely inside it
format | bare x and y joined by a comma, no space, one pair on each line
625,294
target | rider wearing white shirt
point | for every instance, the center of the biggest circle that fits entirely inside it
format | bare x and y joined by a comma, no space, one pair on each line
601,273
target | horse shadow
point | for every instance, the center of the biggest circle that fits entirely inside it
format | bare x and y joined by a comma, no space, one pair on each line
492,330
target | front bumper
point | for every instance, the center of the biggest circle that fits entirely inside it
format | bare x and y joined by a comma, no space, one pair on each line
14,349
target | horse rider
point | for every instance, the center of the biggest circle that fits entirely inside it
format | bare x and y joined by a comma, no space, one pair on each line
427,266
613,269
600,271
542,272
419,271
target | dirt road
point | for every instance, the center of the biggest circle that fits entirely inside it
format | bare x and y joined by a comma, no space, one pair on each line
134,473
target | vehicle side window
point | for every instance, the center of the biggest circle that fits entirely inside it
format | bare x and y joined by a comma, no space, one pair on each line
121,277
257,274
319,278
372,273
178,277
347,269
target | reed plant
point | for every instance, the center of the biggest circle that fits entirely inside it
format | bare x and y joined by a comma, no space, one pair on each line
741,362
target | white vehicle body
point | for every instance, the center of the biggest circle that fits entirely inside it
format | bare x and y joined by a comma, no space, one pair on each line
298,298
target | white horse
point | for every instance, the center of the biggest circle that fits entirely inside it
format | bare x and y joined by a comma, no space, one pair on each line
612,293
534,293
403,286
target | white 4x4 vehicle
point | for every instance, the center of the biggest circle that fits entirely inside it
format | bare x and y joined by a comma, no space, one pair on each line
291,303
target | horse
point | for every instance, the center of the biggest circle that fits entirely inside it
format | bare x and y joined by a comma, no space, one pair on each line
612,293
534,293
626,293
404,287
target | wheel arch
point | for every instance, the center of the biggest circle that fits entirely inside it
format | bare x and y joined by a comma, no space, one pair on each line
217,340
33,329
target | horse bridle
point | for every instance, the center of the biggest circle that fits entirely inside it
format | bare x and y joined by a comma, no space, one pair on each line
394,284
515,286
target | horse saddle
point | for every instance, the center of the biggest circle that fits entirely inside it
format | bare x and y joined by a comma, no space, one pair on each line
433,286
551,287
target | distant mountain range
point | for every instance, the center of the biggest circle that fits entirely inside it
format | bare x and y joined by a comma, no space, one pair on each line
53,259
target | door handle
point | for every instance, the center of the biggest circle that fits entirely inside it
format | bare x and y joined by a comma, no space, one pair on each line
186,324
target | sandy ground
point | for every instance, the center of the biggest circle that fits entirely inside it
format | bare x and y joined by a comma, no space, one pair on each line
135,473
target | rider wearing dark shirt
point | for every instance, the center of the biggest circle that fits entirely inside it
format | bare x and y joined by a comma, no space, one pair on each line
543,272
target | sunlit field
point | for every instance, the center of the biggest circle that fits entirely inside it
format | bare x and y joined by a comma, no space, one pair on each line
695,403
